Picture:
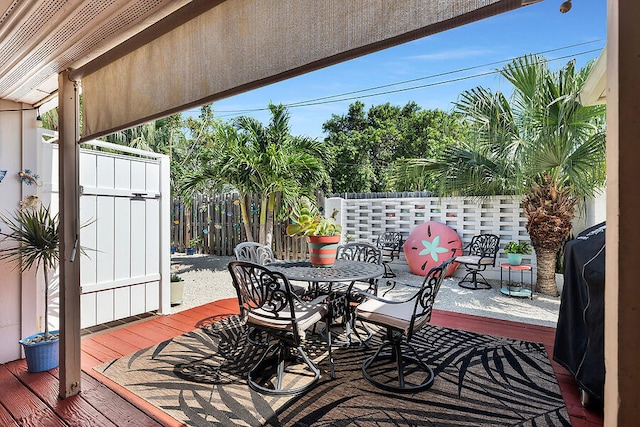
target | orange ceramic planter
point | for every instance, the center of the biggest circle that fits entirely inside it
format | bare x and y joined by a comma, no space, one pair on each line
322,250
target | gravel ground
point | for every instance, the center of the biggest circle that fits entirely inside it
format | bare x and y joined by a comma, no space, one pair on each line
207,279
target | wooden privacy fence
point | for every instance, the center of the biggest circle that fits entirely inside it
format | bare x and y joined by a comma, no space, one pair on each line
216,218
212,224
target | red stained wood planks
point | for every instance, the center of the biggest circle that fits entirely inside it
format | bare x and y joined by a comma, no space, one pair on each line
74,410
23,405
114,405
6,419
116,408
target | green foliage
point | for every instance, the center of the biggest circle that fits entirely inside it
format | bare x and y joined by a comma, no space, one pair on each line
35,232
542,129
197,240
175,278
523,248
253,158
366,144
308,221
540,142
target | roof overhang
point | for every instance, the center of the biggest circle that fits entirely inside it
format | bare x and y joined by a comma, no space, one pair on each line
595,86
41,38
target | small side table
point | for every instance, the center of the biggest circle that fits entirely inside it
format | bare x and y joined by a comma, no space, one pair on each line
517,291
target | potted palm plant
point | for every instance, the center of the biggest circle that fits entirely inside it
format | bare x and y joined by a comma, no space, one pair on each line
193,245
35,234
322,232
177,289
515,250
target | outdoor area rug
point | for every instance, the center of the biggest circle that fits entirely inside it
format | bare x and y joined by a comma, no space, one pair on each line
199,378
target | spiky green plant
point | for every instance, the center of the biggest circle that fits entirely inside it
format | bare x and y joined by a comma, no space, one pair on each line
308,221
35,232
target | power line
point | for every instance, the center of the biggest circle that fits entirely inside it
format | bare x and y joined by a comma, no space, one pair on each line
344,96
446,73
341,97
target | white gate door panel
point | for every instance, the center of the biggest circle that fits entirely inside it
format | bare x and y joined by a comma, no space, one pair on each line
123,219
122,236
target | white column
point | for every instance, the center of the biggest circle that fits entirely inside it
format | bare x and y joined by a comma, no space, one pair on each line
165,236
69,155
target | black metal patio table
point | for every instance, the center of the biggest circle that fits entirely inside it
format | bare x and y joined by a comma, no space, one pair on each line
343,271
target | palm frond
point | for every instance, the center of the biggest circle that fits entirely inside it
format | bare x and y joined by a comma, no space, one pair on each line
35,234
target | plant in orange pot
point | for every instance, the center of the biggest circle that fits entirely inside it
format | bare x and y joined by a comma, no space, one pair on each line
322,232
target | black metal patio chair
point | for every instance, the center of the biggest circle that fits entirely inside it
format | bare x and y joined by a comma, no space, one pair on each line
269,304
397,370
390,244
481,252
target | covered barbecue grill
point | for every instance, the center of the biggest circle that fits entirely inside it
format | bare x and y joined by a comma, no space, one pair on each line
579,343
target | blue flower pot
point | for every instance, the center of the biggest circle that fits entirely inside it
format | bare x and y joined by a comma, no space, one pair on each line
41,356
514,259
190,251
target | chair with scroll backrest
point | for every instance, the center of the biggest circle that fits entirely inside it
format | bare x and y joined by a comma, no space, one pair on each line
254,252
480,253
364,252
269,304
398,370
357,251
390,244
258,253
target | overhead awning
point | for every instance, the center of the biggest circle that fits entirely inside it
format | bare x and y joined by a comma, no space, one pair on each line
244,44
595,86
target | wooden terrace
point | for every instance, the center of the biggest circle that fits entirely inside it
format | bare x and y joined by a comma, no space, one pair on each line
31,399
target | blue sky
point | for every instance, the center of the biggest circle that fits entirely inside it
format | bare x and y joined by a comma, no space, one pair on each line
536,28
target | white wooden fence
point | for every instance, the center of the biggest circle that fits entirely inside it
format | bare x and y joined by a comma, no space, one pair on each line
124,216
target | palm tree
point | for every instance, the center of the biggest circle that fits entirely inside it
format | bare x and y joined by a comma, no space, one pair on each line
541,143
34,231
253,158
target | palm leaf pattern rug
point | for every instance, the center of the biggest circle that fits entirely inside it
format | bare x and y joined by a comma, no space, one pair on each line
199,378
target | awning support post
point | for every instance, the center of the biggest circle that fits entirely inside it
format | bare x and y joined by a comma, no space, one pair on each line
68,162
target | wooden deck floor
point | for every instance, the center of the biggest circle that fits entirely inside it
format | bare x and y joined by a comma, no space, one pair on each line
28,399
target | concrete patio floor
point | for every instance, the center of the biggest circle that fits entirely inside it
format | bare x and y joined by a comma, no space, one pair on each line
207,279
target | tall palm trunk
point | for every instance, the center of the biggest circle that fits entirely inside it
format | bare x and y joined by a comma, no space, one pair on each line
271,207
263,219
245,217
546,277
549,210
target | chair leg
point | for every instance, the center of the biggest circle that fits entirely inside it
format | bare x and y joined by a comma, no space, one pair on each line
473,283
328,326
278,354
353,328
258,338
388,272
401,361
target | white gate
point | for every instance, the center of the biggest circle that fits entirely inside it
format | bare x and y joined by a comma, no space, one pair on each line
124,217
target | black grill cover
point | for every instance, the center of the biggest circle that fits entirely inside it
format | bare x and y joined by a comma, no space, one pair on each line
579,343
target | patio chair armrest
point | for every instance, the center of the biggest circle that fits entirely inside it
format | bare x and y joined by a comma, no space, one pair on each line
391,301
